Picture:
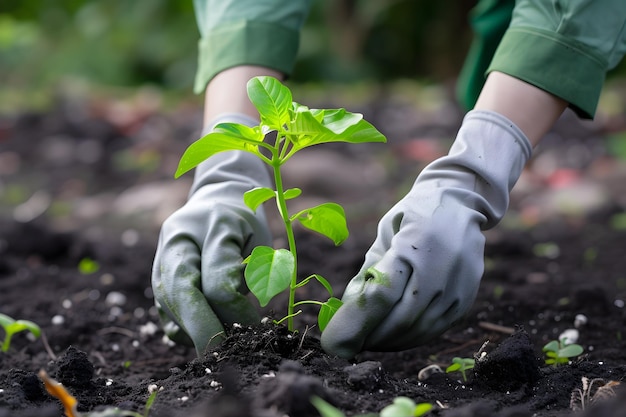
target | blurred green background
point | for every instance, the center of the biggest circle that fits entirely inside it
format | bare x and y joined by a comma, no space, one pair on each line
130,43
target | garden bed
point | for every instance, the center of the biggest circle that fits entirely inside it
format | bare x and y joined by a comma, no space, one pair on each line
545,266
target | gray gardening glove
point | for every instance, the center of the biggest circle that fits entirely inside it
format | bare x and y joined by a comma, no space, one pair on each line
423,271
197,277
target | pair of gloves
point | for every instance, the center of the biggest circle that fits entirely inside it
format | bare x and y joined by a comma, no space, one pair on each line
420,276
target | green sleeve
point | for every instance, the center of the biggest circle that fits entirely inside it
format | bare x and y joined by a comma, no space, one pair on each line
564,47
247,32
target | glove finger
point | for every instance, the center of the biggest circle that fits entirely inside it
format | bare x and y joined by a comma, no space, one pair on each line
223,281
367,301
435,319
176,285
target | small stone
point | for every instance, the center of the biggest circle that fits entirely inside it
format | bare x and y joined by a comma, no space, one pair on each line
366,374
115,298
580,320
429,371
569,336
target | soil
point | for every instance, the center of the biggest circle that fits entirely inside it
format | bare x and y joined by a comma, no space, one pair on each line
68,177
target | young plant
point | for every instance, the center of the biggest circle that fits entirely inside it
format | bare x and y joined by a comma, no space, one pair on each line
559,352
405,407
401,407
461,365
293,127
12,326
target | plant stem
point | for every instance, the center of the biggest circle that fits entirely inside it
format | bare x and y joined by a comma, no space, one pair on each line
6,343
282,209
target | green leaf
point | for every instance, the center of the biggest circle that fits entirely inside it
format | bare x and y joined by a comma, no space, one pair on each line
268,272
552,346
337,125
272,100
88,266
6,320
329,219
21,325
421,409
327,311
325,283
229,137
571,351
257,196
292,193
325,409
453,368
401,407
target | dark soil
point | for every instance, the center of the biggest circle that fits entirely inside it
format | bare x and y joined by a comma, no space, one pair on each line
545,265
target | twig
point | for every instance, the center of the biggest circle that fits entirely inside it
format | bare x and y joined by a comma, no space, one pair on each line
496,327
119,330
306,329
46,345
460,347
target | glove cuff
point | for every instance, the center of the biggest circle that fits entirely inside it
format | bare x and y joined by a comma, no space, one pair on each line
240,118
498,120
239,171
482,166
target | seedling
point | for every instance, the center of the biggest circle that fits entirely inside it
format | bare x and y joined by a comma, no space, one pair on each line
405,407
559,352
461,365
270,271
401,407
87,266
12,326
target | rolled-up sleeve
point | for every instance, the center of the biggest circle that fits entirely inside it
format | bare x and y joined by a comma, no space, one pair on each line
565,47
247,32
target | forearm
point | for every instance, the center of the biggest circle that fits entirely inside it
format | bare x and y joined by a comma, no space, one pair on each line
532,109
226,92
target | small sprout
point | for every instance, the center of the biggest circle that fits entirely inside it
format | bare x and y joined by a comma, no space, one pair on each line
405,407
461,365
12,326
327,410
548,250
88,266
560,352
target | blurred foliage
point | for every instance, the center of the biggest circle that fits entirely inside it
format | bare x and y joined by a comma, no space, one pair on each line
127,43
113,42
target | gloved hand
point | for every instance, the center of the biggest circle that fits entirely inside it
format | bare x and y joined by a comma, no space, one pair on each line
197,276
423,271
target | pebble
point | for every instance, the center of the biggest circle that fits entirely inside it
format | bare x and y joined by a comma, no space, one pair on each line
569,336
580,320
429,371
115,298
